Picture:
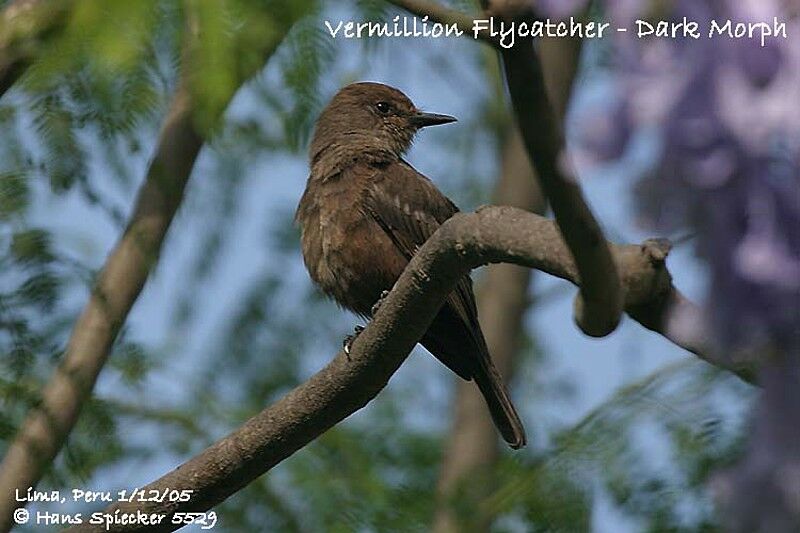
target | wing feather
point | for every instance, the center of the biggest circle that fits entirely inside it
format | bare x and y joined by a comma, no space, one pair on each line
410,209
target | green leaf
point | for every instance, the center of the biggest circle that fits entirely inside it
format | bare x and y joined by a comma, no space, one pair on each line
40,290
14,194
309,50
31,247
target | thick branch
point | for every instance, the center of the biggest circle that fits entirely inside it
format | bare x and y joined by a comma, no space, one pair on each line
599,309
348,383
23,26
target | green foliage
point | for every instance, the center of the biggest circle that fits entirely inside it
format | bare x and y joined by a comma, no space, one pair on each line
374,10
370,480
347,480
95,442
553,489
555,500
34,323
14,194
678,408
132,361
32,246
56,126
109,38
40,290
309,50
213,80
235,36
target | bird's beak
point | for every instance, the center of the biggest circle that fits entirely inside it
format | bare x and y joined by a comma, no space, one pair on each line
422,120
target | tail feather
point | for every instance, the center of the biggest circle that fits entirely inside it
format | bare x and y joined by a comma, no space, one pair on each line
462,348
490,383
504,415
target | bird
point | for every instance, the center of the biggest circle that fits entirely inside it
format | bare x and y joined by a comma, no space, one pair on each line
366,211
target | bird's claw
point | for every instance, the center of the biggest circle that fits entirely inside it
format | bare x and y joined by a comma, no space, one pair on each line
347,343
377,305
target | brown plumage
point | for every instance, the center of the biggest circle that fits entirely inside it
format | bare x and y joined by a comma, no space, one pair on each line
366,211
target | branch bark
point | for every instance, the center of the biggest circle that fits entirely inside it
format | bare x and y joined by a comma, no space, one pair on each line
348,383
23,26
599,307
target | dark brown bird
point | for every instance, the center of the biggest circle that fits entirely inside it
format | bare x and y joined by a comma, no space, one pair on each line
366,211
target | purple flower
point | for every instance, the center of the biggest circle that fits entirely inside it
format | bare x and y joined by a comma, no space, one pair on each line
727,114
559,9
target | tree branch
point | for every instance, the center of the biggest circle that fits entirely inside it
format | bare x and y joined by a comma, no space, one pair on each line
544,144
348,383
599,307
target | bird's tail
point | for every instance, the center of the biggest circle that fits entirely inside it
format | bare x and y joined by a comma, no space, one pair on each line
504,415
459,344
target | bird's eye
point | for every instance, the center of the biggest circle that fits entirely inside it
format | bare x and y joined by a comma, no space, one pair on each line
383,107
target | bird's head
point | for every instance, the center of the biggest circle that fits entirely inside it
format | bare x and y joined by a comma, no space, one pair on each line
370,118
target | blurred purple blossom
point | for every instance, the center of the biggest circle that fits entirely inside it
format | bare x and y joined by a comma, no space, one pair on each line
559,9
763,492
727,112
599,136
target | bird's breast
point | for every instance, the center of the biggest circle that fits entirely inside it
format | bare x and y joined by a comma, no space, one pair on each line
346,252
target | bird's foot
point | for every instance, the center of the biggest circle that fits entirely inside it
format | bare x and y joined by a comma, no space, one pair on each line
378,304
347,343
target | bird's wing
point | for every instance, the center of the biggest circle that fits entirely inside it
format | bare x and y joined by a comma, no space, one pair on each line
410,208
406,205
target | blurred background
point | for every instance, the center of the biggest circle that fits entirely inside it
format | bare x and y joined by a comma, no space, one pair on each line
695,141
